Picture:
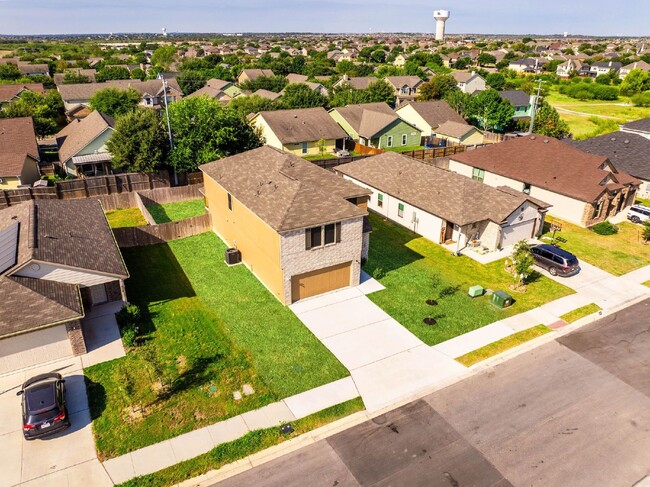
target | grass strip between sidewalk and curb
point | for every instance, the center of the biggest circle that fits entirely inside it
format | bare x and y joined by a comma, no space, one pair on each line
581,312
251,443
502,345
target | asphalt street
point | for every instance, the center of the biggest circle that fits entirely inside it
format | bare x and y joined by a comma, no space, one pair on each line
575,411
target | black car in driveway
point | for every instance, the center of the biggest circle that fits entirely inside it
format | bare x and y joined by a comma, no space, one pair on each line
43,404
556,261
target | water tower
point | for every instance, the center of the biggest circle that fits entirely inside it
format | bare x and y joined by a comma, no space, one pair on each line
441,17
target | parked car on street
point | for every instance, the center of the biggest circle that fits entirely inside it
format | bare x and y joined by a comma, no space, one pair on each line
556,261
43,405
638,213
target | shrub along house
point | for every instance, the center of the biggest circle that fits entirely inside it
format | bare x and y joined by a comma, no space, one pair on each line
299,131
582,188
376,125
57,259
443,206
300,229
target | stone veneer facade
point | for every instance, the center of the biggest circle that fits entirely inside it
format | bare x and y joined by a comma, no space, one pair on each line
295,259
610,204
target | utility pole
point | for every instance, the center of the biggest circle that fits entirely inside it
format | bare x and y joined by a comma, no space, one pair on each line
169,126
532,115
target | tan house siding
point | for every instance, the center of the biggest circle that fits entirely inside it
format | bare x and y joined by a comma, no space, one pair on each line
9,182
295,259
312,148
241,228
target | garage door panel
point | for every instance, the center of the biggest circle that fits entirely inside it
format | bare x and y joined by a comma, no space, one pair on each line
516,232
320,281
34,348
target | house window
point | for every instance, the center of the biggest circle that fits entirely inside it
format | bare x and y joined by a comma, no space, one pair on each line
324,235
229,201
527,188
400,210
380,200
389,141
304,148
478,174
404,137
597,209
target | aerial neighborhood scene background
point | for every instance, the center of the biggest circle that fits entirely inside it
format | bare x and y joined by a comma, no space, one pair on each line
339,247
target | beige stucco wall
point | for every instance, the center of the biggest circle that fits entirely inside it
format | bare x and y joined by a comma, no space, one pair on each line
241,228
408,113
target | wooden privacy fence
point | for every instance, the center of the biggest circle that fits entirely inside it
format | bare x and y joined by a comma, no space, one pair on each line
165,232
331,163
96,186
435,153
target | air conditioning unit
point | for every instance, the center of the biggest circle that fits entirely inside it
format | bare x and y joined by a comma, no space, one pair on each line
233,256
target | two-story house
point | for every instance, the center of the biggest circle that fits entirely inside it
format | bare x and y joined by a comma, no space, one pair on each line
522,101
469,82
406,87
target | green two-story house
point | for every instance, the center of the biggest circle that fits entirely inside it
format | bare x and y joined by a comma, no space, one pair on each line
376,125
522,101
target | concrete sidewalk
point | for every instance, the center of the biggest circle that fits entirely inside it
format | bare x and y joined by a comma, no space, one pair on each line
169,452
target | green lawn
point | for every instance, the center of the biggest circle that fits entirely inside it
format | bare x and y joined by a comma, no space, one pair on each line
641,201
213,328
617,254
404,148
502,345
414,270
317,157
127,217
252,442
581,312
171,212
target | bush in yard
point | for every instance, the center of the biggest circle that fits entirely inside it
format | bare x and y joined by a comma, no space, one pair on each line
642,99
522,263
646,231
605,228
128,319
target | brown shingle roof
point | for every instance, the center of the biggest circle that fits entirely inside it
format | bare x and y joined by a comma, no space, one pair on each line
547,163
454,129
78,134
9,92
269,95
284,190
72,233
367,119
360,83
399,81
435,113
84,91
448,195
253,74
17,141
28,304
302,125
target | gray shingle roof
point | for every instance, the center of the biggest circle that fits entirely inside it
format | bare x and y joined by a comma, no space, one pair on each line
302,125
79,133
454,129
17,141
518,98
368,119
284,190
448,195
642,125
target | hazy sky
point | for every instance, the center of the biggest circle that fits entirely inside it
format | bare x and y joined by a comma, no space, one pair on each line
595,17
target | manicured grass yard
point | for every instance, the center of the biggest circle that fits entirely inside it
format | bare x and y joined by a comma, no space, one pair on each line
127,217
617,254
213,328
414,269
581,312
171,212
641,201
404,148
252,442
502,345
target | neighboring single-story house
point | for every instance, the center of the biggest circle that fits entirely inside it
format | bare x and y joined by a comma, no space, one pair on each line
582,188
628,152
293,78
429,115
459,133
253,74
406,87
299,131
222,91
359,83
376,125
9,93
269,95
58,258
19,156
639,127
82,146
300,229
443,206
469,82
522,101
88,73
625,70
34,69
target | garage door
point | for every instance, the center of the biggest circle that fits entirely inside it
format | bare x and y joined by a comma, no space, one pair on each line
34,348
320,281
514,233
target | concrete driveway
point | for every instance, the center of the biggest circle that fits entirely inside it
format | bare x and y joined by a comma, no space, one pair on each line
67,458
386,361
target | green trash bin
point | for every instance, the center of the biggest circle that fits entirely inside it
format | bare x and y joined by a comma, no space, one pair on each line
501,299
476,291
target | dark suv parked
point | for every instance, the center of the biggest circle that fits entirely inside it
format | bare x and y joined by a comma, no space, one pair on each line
43,403
556,261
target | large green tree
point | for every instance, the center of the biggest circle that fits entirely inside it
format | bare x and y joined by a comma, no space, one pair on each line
636,81
114,101
437,88
46,111
164,56
491,111
112,72
549,123
204,130
299,95
245,105
139,141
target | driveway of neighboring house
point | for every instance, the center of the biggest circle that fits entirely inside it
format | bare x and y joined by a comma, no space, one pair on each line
386,361
67,458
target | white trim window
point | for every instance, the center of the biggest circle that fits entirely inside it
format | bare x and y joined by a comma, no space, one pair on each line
389,141
404,139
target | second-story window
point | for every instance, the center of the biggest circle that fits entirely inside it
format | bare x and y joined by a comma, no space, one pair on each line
321,236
